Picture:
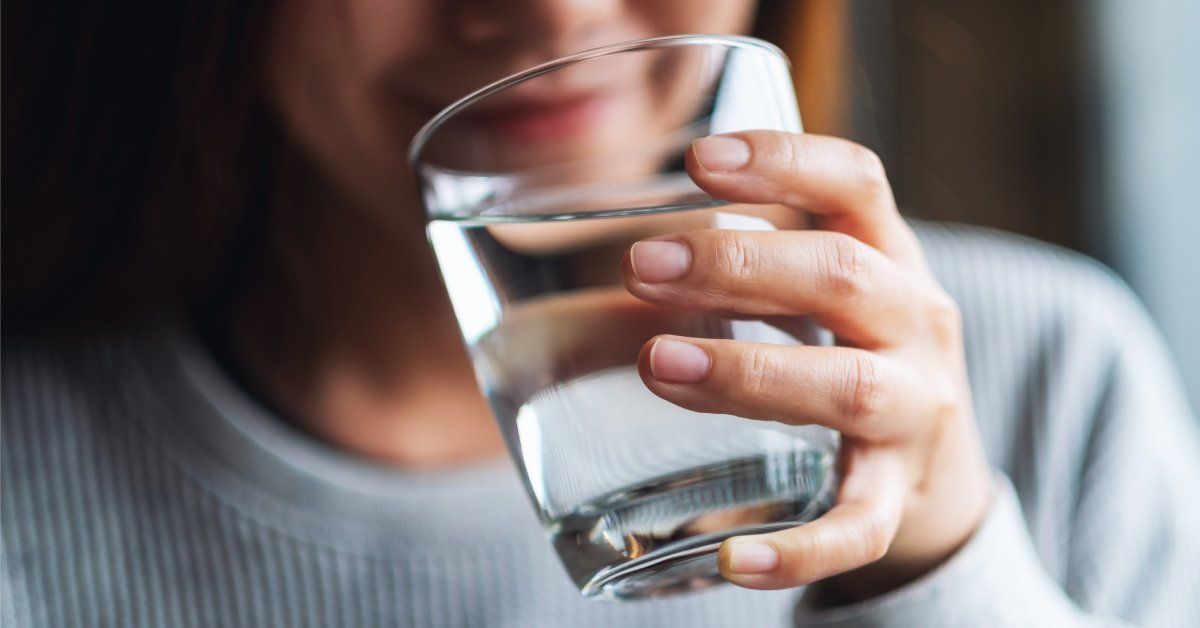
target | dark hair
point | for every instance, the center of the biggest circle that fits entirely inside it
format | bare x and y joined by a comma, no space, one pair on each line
133,141
137,155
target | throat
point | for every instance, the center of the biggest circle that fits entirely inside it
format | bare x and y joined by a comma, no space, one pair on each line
399,392
428,423
341,327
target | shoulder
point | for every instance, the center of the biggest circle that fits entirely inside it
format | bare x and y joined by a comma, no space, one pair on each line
63,396
1031,299
1052,338
991,272
1025,300
48,374
80,473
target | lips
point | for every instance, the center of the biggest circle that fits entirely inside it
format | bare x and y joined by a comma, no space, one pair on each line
539,119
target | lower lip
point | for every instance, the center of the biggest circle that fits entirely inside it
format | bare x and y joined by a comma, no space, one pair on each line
539,124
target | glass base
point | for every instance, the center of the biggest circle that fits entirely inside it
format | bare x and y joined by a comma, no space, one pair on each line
682,567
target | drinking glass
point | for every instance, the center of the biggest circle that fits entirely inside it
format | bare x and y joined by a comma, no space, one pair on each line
535,186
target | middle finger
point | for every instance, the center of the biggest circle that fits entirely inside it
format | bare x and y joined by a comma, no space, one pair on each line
847,286
856,392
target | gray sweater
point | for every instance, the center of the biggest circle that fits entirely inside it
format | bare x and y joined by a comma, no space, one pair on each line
140,487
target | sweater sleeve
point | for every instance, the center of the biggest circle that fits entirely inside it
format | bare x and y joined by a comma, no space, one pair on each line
994,580
1115,460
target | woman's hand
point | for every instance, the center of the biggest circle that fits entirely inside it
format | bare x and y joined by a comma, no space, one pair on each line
915,481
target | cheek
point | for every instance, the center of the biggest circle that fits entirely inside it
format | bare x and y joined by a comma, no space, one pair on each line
665,99
327,65
672,85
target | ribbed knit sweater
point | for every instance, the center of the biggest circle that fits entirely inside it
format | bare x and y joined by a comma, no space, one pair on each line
141,487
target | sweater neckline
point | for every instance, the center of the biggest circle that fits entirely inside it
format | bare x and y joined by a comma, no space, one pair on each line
257,463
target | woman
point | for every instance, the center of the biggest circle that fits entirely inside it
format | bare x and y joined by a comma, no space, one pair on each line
234,393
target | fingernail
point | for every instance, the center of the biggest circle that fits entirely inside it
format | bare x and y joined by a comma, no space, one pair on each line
721,154
660,260
678,362
752,557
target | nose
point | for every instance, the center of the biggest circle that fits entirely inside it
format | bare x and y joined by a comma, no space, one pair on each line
498,22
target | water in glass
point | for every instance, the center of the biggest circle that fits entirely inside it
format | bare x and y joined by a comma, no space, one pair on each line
634,492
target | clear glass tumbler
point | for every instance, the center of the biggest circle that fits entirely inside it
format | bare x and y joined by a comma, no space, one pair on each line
535,186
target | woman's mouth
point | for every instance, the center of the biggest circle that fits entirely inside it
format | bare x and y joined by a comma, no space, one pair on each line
539,119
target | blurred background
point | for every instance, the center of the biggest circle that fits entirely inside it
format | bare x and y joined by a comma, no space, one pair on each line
1071,121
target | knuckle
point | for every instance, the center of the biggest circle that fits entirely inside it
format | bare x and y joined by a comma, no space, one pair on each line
945,402
862,393
735,257
845,266
944,319
876,536
759,373
869,168
795,153
810,557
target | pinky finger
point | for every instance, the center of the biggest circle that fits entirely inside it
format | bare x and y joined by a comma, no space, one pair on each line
857,531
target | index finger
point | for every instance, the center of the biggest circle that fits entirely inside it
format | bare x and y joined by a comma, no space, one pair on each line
841,182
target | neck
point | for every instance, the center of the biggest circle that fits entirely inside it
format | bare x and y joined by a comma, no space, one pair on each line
345,330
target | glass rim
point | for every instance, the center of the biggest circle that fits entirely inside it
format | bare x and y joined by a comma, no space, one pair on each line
417,145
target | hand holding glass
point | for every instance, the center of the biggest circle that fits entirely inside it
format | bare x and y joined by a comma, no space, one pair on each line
535,186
